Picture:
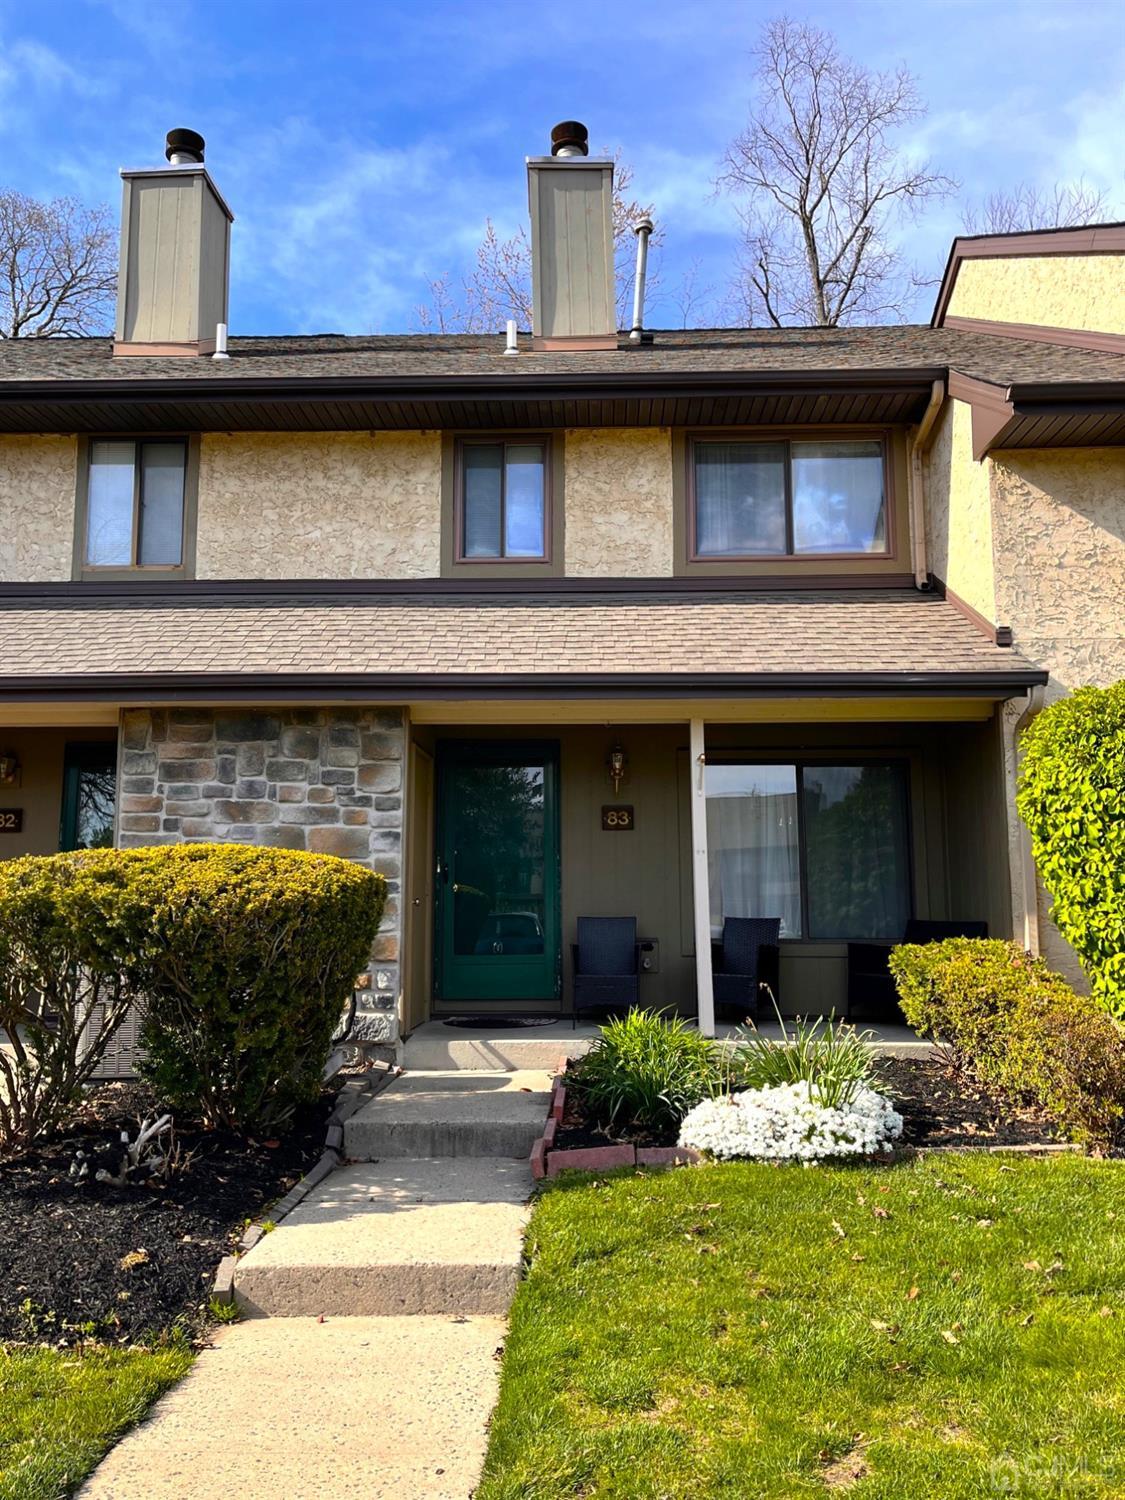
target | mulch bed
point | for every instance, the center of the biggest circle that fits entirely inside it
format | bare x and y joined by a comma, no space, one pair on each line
63,1245
940,1106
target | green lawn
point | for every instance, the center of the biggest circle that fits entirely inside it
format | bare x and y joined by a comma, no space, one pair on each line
61,1409
953,1327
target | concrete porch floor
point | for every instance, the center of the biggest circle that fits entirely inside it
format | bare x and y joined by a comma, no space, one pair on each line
436,1046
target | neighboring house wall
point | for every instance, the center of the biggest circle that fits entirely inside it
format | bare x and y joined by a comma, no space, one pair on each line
37,479
959,537
1055,291
319,505
619,502
326,780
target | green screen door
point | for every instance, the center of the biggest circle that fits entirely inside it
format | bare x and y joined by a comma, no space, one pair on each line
497,888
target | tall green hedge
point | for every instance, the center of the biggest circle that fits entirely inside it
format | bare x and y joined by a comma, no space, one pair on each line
1019,1027
241,959
1072,798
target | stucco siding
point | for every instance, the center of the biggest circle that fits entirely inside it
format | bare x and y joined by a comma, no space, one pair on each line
319,505
619,503
959,538
1059,519
37,479
1055,291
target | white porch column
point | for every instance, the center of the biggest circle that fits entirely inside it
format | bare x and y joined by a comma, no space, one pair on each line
700,881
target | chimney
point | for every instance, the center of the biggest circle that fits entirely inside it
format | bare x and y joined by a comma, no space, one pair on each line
573,292
175,255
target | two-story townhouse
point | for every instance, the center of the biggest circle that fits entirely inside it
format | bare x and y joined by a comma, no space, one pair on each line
705,623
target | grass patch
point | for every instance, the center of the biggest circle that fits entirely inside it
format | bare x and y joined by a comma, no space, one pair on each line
60,1410
954,1326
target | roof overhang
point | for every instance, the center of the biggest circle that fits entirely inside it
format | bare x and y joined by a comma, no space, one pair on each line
244,403
1075,414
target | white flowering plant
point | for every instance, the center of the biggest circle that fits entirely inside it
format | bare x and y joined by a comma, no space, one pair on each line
788,1122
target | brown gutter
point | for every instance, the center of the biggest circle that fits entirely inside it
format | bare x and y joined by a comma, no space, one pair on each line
144,687
532,384
181,593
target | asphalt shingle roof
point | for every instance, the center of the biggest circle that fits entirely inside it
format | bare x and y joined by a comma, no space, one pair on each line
575,635
990,357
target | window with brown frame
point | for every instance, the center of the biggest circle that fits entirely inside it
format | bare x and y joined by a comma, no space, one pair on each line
502,500
132,504
754,498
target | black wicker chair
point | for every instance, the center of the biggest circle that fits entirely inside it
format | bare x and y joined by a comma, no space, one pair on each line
871,990
606,964
746,958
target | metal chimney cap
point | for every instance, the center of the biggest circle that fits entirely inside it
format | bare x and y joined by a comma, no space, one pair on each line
570,138
184,146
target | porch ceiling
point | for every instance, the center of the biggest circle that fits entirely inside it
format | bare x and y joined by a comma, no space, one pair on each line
432,645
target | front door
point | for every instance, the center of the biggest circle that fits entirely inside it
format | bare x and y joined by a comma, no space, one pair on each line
497,900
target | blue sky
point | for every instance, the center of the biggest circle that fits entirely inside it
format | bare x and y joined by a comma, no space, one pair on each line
361,146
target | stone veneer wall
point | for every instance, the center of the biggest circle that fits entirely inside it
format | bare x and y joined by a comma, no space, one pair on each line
327,780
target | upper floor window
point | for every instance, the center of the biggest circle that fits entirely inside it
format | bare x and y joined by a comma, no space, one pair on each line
502,501
134,504
787,498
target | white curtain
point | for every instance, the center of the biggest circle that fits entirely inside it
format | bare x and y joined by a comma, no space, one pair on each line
753,860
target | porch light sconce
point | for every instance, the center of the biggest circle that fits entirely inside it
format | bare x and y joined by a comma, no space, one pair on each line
9,769
616,761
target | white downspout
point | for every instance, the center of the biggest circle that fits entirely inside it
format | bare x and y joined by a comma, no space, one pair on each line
700,880
919,446
1028,882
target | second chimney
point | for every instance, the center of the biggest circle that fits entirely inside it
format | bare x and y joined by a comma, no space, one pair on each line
175,255
573,292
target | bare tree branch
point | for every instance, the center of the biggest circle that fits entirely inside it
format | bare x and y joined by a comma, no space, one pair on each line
821,183
1067,205
58,267
499,287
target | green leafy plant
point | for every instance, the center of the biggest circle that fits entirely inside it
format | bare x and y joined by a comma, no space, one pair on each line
646,1070
1020,1028
62,997
834,1059
241,958
223,1312
1072,798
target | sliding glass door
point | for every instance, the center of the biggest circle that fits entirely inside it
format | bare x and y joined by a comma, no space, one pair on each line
824,847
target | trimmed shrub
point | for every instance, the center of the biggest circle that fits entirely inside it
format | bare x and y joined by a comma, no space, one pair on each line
242,959
61,997
1020,1028
646,1070
1072,798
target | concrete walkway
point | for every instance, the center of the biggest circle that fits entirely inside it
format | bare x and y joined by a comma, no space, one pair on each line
410,1254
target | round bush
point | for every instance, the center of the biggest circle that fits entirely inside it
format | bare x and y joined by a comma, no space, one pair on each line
241,959
1019,1027
1072,798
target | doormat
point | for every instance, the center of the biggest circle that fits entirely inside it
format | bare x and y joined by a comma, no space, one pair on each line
501,1023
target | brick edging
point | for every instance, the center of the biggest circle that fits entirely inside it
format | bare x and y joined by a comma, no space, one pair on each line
355,1093
547,1162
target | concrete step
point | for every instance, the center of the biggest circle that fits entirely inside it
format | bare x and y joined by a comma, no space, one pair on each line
435,1046
451,1113
395,1238
355,1408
